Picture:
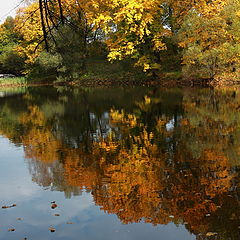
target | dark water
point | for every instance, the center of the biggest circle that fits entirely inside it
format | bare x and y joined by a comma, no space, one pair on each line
135,163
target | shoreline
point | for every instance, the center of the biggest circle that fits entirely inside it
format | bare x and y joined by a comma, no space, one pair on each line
168,83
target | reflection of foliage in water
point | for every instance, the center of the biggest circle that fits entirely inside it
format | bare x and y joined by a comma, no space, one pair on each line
151,155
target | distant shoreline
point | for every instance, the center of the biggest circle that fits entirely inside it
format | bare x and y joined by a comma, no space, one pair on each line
163,82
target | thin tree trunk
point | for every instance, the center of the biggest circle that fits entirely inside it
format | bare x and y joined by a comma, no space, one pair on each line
41,7
61,11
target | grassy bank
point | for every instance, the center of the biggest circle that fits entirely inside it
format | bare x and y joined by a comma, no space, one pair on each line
102,73
15,81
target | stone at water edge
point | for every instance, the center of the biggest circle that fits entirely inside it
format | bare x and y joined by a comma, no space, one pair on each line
7,76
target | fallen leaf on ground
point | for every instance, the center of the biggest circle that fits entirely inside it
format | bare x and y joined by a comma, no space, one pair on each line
52,229
209,234
11,230
11,206
54,205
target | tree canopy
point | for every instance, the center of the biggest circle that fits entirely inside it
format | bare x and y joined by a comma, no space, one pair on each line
200,38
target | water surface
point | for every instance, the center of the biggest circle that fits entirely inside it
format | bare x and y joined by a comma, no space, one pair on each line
137,163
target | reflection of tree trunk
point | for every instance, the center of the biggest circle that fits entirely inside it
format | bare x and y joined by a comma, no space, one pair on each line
89,136
175,116
175,138
100,127
213,100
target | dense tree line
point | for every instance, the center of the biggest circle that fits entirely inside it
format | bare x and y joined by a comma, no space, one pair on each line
198,38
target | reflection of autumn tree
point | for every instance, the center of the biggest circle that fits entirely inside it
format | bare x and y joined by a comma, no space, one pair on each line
195,184
39,143
42,147
81,169
143,181
212,122
158,162
209,130
135,179
51,175
183,182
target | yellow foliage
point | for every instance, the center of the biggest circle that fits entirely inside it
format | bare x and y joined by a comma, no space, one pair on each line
28,25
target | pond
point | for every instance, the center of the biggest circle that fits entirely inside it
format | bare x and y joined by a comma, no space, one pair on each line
136,163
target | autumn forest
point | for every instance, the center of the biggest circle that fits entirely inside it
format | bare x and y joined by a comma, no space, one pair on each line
120,120
148,155
60,40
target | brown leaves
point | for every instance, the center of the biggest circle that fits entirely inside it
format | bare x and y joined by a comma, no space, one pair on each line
54,205
11,206
51,229
11,230
210,234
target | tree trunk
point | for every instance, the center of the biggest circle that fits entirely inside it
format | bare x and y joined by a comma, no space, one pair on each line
41,7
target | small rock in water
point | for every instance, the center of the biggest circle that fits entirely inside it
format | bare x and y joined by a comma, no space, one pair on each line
208,215
69,222
171,216
19,219
56,215
7,76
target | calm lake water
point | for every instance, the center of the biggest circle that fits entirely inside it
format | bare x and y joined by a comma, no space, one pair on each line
106,164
